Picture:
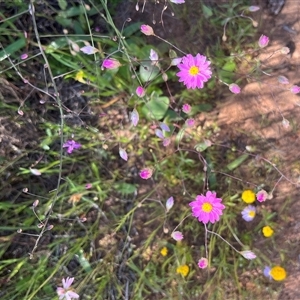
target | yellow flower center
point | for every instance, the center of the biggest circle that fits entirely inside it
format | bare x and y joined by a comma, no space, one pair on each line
207,207
194,71
251,214
278,273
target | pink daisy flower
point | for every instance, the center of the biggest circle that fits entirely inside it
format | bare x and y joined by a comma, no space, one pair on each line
207,208
194,71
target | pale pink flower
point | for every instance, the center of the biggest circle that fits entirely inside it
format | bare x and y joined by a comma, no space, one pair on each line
203,263
24,56
169,203
194,71
176,61
262,196
166,142
207,208
146,173
88,186
263,41
89,50
111,63
159,133
153,56
248,254
186,108
66,292
190,122
164,127
147,30
123,154
285,50
177,235
295,89
283,80
234,88
134,117
177,1
71,145
253,8
140,91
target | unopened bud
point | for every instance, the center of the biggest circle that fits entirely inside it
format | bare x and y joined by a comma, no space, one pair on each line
35,203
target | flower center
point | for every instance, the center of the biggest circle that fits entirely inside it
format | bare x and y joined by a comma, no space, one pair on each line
194,71
251,214
207,207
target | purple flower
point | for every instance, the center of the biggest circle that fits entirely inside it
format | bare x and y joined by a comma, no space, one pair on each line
202,263
207,208
263,41
71,145
194,71
248,213
267,272
65,292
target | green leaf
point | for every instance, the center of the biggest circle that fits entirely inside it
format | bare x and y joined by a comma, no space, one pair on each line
157,107
12,48
237,162
172,54
62,4
148,71
207,11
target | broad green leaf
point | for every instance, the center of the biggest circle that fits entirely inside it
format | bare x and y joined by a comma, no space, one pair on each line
156,108
148,71
62,4
207,11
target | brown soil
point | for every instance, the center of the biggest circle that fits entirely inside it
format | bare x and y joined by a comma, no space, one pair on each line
258,112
